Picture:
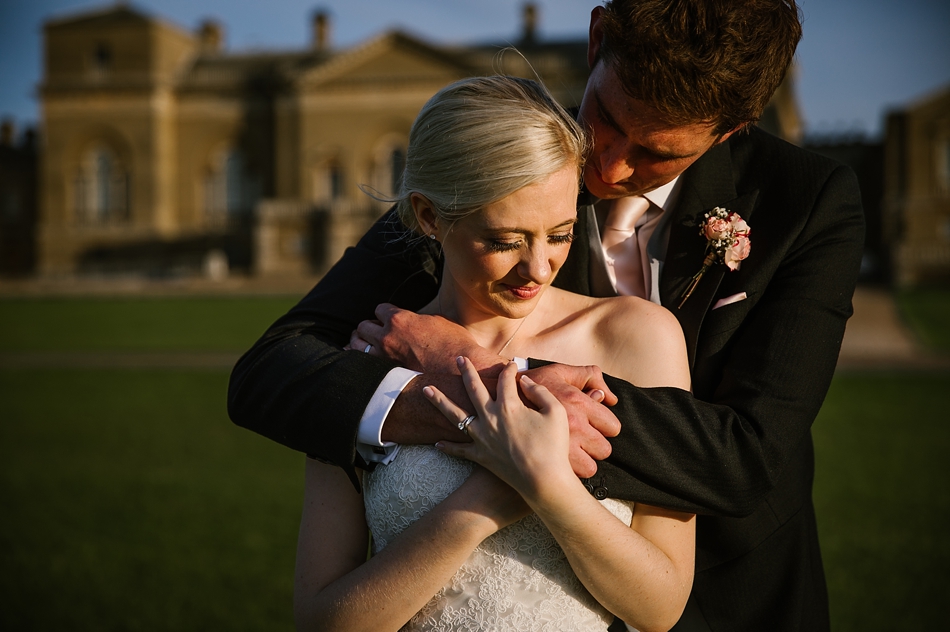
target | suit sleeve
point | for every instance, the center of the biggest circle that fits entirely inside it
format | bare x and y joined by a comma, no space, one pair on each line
296,385
725,449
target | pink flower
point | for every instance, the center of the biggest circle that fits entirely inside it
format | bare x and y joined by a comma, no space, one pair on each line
739,226
727,240
717,228
738,251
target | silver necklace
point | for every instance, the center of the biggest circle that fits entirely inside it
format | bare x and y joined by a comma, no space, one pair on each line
508,342
517,329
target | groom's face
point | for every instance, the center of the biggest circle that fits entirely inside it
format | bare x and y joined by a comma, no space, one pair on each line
635,150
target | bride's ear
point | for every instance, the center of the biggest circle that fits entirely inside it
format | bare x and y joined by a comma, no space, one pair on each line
425,214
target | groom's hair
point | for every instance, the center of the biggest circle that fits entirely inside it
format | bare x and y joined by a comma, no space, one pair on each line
716,61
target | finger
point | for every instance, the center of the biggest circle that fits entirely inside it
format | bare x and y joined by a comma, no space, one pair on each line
356,342
603,421
384,312
596,394
371,332
452,411
506,387
582,464
473,385
540,396
596,381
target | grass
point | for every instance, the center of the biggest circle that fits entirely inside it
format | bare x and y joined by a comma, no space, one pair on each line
927,311
136,324
130,502
882,500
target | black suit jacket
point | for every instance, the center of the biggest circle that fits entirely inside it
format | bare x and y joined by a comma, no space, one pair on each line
739,452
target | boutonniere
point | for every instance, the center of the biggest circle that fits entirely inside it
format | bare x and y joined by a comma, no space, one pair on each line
727,241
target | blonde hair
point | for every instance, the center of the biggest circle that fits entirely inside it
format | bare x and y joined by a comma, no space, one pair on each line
479,140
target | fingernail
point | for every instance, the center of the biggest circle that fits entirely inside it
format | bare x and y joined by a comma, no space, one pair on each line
597,395
459,360
427,391
527,380
439,445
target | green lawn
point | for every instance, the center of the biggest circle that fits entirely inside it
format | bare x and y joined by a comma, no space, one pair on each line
927,311
136,324
130,502
882,500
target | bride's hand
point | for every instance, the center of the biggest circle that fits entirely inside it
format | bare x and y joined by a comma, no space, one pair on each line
524,447
419,342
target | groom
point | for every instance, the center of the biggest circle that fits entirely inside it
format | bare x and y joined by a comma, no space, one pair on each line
674,90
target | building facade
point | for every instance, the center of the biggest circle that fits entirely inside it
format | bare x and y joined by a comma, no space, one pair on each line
917,190
164,153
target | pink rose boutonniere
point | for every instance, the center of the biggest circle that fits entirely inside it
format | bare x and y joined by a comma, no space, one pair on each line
727,241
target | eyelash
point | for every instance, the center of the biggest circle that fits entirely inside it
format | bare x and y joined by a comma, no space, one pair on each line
507,246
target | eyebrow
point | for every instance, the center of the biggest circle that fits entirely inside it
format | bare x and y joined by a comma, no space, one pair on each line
511,229
612,122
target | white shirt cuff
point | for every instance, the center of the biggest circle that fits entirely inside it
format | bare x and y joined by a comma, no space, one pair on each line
369,442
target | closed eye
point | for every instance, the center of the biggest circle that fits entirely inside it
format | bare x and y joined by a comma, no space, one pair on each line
503,246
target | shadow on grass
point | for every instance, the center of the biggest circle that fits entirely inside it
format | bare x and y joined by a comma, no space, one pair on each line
882,500
137,505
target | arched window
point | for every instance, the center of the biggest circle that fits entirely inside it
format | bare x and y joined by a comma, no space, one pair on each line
101,191
229,193
943,165
327,181
389,164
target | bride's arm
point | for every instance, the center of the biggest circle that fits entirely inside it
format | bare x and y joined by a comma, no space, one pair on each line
642,572
337,588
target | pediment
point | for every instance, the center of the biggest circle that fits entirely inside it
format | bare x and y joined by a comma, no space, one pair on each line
391,58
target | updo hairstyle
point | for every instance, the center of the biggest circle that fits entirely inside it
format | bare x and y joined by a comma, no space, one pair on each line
479,140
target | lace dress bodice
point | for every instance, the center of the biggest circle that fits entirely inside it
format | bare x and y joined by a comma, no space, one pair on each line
516,580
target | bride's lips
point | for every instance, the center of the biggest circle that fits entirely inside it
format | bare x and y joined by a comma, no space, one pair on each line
524,292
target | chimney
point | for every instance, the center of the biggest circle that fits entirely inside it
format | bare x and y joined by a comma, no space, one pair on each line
211,37
530,17
321,31
6,133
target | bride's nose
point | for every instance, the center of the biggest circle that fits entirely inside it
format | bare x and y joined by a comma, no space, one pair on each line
535,266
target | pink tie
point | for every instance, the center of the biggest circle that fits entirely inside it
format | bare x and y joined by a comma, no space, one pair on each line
622,246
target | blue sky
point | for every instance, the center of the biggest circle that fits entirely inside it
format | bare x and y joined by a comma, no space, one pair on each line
858,58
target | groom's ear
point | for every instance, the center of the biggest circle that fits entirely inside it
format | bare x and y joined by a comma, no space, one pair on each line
425,214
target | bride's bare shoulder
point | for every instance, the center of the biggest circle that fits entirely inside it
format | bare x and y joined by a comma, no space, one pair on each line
642,334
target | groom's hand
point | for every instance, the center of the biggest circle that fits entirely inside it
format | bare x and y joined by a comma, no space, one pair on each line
581,389
420,342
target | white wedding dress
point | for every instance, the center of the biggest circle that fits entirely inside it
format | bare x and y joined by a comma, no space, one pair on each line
516,580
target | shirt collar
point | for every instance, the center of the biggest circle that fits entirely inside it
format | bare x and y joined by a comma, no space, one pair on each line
665,196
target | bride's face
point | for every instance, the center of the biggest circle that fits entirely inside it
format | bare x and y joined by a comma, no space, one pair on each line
499,260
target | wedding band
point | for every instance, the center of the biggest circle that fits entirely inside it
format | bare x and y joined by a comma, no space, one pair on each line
367,348
463,425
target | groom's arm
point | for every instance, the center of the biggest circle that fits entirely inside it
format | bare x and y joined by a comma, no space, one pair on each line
725,449
431,344
296,385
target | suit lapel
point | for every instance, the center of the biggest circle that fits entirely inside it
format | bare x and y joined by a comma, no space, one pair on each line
708,183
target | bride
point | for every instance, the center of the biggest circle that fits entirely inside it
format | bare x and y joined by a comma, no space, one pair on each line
516,541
